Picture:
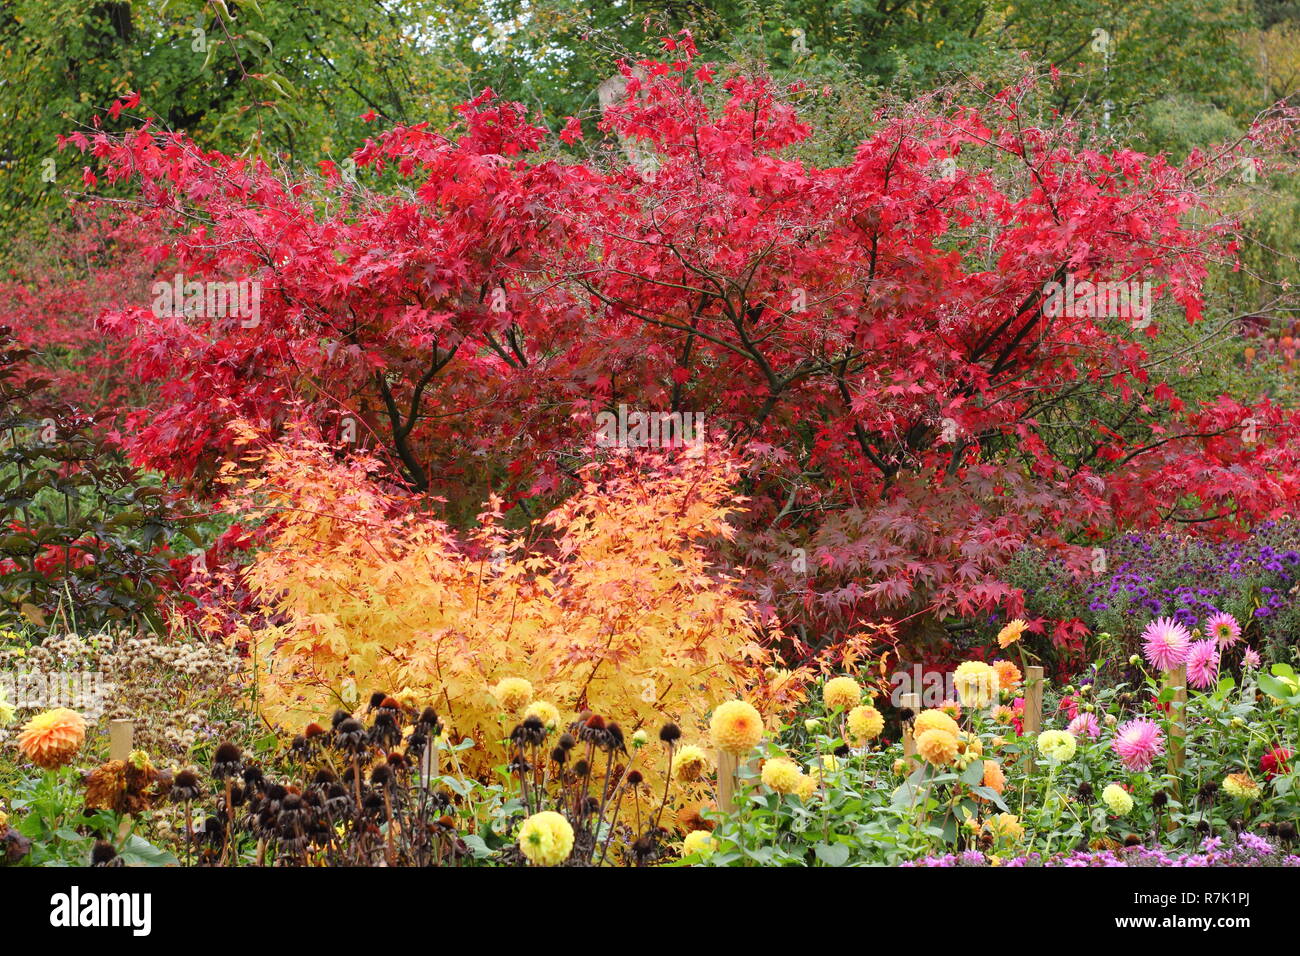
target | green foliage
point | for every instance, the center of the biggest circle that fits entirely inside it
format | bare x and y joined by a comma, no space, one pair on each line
50,811
83,536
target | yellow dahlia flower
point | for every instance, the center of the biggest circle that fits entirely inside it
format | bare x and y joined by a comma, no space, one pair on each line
1011,633
830,763
1005,826
865,723
512,693
546,838
1241,786
690,763
937,747
807,787
699,842
841,692
7,710
976,683
1058,745
782,775
1117,800
736,727
52,738
545,712
934,720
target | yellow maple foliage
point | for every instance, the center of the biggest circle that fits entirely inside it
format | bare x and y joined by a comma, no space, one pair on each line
607,604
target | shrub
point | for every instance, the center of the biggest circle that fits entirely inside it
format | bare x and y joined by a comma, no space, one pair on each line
608,603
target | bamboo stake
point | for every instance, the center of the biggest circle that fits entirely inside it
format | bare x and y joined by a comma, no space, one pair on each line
910,702
728,764
1176,680
121,734
1033,717
121,738
429,764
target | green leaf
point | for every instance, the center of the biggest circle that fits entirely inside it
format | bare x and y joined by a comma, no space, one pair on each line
832,854
477,846
137,851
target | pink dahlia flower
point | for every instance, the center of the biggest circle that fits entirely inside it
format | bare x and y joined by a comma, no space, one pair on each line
1165,643
1250,658
1223,628
1202,664
1138,743
1085,725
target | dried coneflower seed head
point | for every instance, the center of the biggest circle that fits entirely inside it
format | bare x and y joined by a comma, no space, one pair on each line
324,777
102,853
429,717
559,755
1286,831
614,736
339,717
382,775
1085,790
567,741
634,778
313,730
581,768
843,750
670,733
1159,798
594,722
377,699
225,763
350,733
186,786
1132,840
906,713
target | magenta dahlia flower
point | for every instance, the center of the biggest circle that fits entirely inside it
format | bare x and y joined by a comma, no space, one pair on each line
1138,743
1223,628
1085,725
1165,643
1202,663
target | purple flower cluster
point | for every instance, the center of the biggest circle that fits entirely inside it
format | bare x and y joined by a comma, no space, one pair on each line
1186,579
1246,850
